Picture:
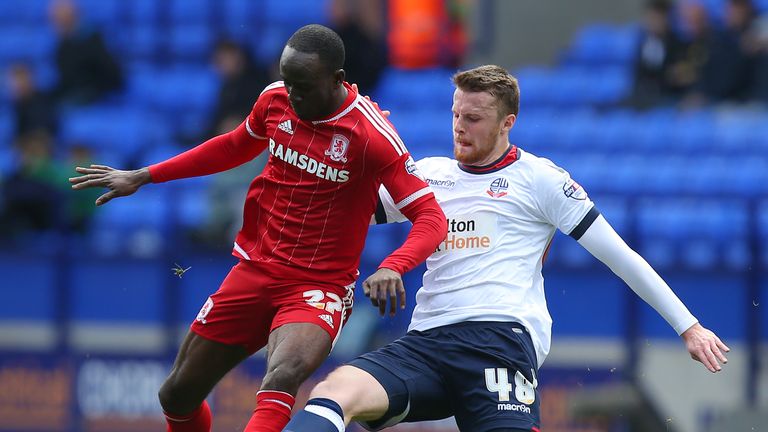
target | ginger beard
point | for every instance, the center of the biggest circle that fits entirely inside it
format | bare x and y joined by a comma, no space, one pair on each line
479,133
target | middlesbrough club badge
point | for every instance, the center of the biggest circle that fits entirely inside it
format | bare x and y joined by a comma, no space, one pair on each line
338,149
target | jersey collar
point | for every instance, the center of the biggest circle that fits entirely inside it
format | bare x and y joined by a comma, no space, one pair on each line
508,158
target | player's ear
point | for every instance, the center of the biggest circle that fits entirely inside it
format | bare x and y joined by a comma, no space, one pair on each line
508,122
338,76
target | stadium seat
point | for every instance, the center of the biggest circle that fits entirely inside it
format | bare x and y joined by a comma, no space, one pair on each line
190,12
424,132
102,13
415,89
686,219
121,129
192,43
143,12
21,43
24,13
174,90
295,13
140,43
600,44
239,20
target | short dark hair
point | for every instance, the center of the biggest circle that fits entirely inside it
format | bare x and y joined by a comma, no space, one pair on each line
494,80
320,40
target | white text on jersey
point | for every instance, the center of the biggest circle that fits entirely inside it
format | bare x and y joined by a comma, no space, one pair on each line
308,164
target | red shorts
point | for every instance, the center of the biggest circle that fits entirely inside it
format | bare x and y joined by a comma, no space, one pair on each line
256,298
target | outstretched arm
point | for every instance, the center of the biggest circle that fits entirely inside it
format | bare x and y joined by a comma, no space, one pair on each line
606,245
215,155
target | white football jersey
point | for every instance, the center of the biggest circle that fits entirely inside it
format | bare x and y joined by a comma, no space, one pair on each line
500,224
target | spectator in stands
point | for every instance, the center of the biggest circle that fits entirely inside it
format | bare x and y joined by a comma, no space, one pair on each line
34,192
718,65
658,51
32,107
241,82
86,70
756,43
361,26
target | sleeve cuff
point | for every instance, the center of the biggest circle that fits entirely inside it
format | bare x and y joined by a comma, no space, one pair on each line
585,223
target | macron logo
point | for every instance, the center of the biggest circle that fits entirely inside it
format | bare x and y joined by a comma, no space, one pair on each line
286,127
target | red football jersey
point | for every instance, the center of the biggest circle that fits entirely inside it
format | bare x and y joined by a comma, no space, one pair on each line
312,205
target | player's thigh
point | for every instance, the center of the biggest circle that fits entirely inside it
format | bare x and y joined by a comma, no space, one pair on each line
407,372
491,369
358,393
326,305
240,312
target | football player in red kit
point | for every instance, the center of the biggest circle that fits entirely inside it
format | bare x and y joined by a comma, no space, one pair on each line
304,226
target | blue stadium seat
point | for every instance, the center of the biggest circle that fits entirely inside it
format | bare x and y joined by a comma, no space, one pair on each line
192,206
125,130
24,12
693,132
190,43
686,219
190,12
143,12
269,44
607,85
599,44
425,133
241,22
175,90
615,211
142,42
617,132
118,291
102,13
535,88
21,43
574,130
295,13
415,89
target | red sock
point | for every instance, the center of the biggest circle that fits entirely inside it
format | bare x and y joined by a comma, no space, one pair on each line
198,420
273,410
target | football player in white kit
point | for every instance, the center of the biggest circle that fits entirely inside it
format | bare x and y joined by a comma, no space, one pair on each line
480,328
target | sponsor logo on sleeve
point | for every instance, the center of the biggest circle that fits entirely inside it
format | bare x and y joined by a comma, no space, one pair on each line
412,169
571,189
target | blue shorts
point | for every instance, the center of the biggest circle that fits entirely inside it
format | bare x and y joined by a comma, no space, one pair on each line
483,373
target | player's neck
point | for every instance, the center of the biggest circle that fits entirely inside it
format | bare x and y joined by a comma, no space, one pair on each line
498,152
339,98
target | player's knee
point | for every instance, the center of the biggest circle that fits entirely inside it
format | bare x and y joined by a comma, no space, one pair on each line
287,375
341,387
175,398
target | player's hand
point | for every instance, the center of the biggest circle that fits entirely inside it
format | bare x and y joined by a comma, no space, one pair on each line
705,346
382,284
119,182
376,104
